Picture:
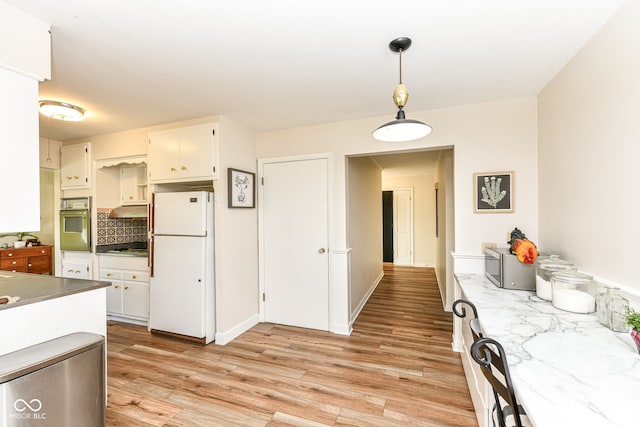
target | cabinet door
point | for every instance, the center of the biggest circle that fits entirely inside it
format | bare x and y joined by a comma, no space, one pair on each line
197,152
114,297
39,264
75,166
135,299
75,270
184,154
133,185
164,155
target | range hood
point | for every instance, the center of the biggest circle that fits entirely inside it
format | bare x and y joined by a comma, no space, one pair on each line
134,211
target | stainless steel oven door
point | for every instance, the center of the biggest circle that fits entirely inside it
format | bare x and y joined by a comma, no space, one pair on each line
75,231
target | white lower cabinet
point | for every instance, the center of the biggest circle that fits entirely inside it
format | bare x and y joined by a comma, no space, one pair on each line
128,295
479,387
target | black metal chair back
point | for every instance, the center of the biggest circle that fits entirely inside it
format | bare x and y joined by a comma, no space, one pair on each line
489,353
474,323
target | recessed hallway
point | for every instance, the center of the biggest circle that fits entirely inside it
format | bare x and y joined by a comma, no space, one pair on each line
397,368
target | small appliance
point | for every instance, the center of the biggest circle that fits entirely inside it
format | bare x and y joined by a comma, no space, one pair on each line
505,271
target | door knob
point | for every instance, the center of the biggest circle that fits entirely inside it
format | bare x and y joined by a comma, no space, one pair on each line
322,250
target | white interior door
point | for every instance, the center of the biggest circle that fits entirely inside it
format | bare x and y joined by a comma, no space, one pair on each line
403,227
295,258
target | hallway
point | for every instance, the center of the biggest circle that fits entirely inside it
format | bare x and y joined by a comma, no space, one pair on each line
397,368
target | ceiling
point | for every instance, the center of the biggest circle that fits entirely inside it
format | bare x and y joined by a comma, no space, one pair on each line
288,63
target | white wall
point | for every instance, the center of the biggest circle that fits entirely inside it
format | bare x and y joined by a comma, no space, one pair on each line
446,233
364,226
493,136
589,148
424,215
236,239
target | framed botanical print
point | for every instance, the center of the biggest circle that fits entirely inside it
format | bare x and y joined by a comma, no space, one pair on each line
493,192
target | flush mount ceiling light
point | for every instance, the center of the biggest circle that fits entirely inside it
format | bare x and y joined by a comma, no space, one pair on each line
401,129
62,111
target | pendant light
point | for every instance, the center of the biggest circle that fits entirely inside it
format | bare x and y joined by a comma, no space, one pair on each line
61,110
401,129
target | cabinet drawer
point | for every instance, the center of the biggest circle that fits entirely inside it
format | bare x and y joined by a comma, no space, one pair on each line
110,274
135,276
38,251
13,263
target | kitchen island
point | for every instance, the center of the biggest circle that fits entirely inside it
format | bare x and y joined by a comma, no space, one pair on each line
48,307
567,369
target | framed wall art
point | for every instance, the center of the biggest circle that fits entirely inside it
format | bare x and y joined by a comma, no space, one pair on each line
493,192
241,188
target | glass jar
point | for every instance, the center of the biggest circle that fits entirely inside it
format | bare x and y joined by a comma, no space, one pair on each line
573,291
611,306
545,267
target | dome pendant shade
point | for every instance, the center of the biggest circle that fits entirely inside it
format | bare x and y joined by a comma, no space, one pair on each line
401,129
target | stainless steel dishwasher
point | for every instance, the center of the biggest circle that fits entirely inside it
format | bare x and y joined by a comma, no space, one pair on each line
58,383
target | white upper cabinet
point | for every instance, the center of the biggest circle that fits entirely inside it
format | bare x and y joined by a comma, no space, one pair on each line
133,185
75,166
184,154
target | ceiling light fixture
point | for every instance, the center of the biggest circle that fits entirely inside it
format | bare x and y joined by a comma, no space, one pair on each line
401,129
61,110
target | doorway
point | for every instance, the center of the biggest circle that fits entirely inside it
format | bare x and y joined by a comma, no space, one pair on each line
397,227
387,226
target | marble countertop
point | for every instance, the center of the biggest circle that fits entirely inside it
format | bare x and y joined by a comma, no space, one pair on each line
32,288
568,370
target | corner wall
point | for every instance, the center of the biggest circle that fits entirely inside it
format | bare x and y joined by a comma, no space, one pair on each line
589,151
364,226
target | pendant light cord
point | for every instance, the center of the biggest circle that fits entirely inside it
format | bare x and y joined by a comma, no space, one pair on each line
400,65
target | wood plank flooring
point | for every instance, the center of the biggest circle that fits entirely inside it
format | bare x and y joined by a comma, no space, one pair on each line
397,368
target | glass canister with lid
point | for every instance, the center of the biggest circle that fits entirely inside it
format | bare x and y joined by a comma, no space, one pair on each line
611,306
573,291
544,269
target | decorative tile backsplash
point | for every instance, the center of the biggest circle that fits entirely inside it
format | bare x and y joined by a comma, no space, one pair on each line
120,230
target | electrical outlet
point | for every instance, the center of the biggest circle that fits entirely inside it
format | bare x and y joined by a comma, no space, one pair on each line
486,245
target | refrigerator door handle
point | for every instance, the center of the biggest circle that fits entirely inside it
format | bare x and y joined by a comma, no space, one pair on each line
150,255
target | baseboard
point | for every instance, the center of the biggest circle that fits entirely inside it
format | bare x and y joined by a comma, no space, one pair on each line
223,338
361,304
116,318
342,329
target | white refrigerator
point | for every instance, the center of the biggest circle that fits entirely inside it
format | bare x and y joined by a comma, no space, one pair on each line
182,293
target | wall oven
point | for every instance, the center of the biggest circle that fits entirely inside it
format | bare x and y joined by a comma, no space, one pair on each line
75,224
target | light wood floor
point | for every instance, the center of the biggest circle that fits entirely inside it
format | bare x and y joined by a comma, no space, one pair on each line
397,368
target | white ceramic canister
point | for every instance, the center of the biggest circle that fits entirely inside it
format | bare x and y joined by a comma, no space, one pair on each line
573,291
545,267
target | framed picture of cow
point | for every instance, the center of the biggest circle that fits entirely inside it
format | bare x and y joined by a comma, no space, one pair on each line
242,193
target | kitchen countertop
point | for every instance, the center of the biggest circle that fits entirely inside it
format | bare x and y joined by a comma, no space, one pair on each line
568,370
32,288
